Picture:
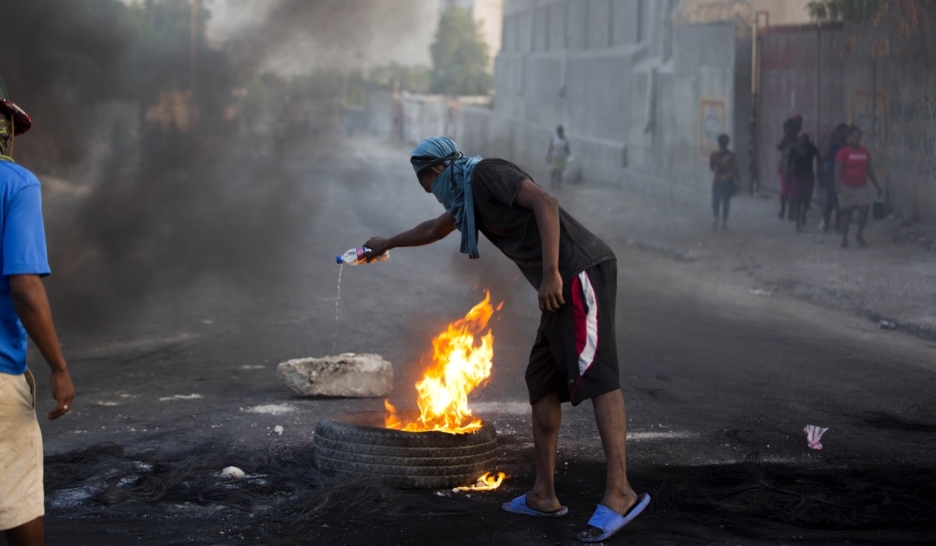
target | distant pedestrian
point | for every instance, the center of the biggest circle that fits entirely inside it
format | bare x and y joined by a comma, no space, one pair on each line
801,177
831,147
557,155
852,171
791,130
725,180
24,310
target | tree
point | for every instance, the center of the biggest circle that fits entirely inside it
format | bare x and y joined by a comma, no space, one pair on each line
459,56
415,79
900,17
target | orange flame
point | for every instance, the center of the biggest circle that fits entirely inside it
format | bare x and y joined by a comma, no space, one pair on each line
459,365
487,482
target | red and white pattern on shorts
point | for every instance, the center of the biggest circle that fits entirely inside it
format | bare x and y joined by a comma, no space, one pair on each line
585,314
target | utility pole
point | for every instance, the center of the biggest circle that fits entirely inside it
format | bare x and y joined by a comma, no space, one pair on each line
194,45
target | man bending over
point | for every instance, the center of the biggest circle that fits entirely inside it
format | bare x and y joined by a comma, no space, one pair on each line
574,357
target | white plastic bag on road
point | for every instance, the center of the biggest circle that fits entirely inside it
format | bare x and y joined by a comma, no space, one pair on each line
813,434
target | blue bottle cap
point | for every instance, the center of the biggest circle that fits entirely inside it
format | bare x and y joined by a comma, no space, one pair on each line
337,259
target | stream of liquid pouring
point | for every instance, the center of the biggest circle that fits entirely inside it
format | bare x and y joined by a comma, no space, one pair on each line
337,302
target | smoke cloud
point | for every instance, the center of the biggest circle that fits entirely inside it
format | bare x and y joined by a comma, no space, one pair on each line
154,182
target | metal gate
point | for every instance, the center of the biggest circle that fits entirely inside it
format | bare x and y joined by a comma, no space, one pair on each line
801,72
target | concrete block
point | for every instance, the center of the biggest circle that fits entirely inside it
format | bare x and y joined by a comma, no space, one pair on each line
346,375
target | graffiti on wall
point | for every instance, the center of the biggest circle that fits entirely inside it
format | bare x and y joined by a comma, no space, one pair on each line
913,109
870,116
913,142
711,124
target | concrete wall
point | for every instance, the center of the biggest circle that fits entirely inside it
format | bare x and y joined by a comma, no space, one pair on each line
642,100
632,90
381,113
425,116
411,118
899,124
694,104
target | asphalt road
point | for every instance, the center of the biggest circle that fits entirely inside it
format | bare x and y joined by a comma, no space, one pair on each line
719,386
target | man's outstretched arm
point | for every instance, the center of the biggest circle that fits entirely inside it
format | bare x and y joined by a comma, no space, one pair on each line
32,307
425,233
546,209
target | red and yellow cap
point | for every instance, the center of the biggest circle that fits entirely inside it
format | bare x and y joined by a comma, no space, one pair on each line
21,121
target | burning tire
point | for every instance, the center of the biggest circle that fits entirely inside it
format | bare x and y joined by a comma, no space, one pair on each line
359,444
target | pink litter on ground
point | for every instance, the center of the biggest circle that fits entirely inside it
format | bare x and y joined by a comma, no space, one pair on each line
813,434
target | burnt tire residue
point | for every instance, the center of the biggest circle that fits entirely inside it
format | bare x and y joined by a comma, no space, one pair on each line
286,500
358,444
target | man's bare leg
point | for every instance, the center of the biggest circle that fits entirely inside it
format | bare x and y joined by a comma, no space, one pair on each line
28,534
547,416
611,417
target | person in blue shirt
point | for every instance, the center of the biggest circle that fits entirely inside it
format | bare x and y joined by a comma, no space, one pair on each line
24,310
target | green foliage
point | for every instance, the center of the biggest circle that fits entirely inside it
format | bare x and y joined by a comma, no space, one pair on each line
415,79
901,13
849,11
884,18
459,56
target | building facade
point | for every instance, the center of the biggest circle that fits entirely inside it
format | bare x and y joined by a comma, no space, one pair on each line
642,98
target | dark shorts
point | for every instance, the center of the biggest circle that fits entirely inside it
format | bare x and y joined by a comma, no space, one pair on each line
575,353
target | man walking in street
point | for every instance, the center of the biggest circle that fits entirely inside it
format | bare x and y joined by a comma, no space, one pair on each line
557,157
574,357
724,166
24,309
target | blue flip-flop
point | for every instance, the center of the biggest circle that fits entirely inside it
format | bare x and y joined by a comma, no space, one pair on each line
610,522
519,506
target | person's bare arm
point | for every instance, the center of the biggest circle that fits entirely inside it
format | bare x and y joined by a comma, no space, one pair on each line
425,233
546,209
550,152
32,307
869,170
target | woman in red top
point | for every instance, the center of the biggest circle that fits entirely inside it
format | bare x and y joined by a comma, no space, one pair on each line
852,171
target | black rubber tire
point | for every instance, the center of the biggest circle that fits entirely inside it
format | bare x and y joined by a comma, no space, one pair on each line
358,444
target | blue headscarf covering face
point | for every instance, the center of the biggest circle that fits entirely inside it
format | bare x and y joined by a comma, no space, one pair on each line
453,185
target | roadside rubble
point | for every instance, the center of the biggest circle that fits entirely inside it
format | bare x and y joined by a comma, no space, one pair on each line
346,375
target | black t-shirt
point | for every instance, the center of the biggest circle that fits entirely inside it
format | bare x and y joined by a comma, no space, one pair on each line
802,162
513,229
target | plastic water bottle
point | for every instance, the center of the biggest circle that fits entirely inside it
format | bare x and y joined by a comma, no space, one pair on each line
359,255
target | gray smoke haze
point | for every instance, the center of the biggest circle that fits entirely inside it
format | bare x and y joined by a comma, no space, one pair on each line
59,58
301,35
162,188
